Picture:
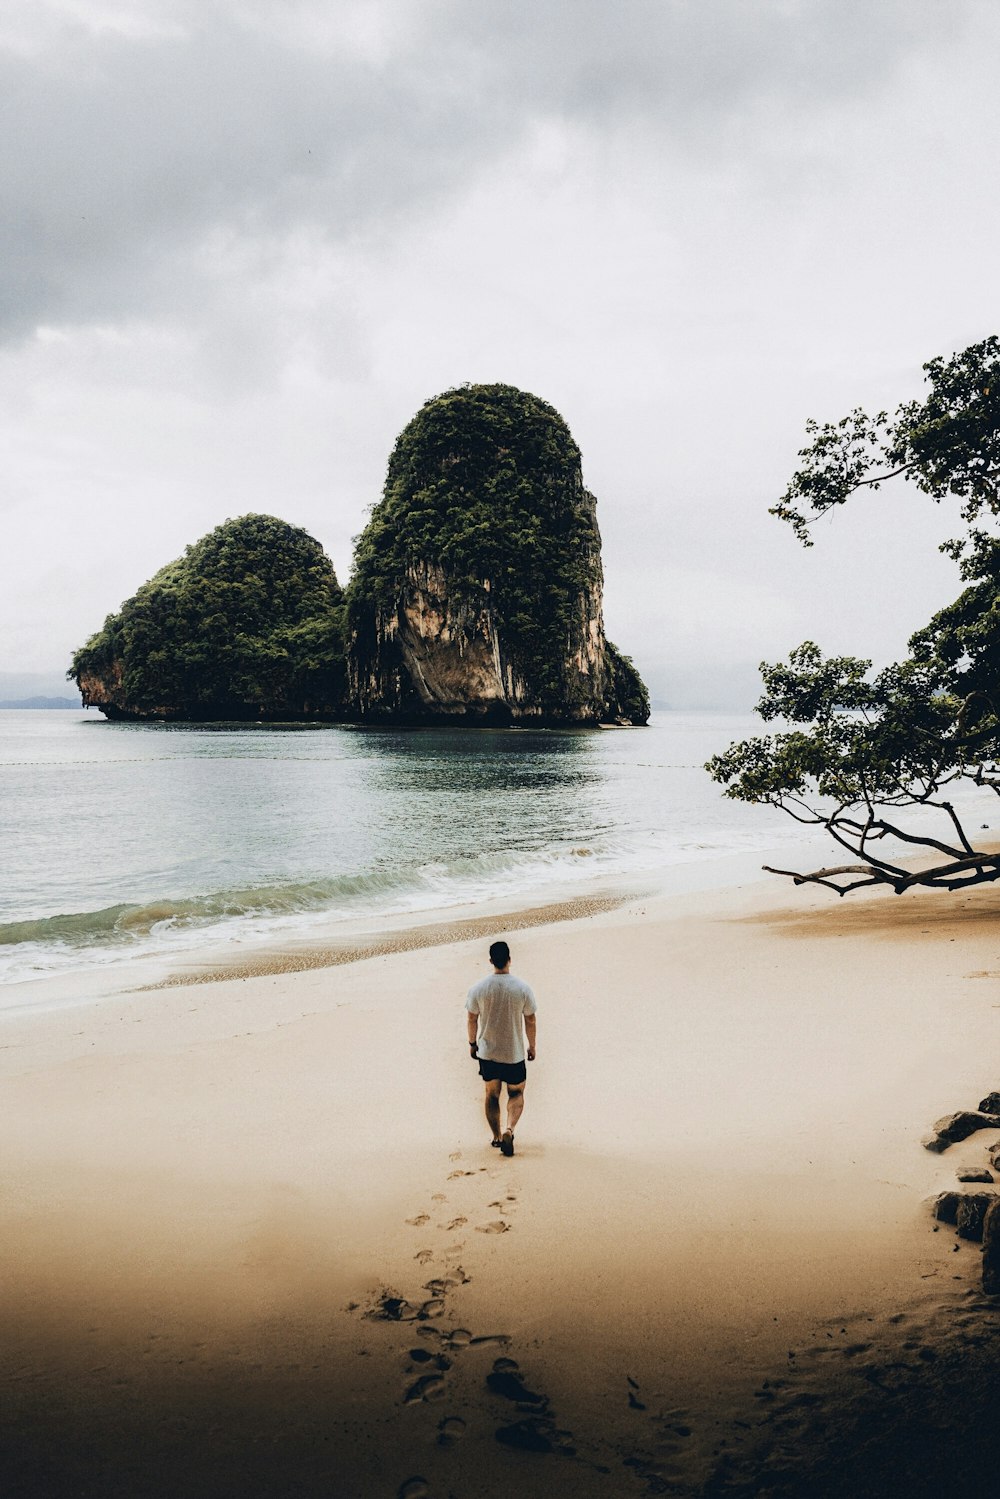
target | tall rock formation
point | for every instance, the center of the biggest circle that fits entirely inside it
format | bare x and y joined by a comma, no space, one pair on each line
477,590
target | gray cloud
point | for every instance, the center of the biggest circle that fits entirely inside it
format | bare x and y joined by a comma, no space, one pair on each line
126,152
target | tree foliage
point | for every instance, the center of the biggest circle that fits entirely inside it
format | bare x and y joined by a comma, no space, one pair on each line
949,443
862,748
248,622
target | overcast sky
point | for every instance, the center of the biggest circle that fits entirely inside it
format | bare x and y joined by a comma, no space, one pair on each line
244,240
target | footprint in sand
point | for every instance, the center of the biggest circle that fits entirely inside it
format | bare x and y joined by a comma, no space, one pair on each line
418,1221
497,1227
439,1286
450,1430
456,1223
414,1488
427,1387
425,1356
390,1308
536,1431
423,1255
439,1197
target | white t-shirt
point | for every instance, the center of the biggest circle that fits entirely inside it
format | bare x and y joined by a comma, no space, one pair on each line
500,1001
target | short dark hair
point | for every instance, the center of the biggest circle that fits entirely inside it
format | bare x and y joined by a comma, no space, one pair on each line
499,954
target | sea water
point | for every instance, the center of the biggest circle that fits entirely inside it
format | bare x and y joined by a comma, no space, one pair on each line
124,840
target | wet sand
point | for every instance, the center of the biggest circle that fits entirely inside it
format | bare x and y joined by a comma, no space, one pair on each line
300,957
255,1241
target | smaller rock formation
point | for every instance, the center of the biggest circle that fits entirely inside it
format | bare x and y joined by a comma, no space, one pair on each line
249,623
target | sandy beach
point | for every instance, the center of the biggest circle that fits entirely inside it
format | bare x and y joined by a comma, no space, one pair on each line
255,1241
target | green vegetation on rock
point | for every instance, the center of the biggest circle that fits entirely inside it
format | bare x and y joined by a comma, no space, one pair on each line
627,692
249,622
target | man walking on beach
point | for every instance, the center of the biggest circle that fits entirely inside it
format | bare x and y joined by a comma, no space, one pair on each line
498,1007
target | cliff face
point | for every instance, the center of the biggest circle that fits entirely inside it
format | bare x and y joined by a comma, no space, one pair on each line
477,594
437,657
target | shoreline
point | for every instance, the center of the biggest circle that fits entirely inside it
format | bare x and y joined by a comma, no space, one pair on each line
347,938
391,939
710,1257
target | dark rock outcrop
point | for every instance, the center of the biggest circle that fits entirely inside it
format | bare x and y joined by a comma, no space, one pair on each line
959,1126
991,1249
972,1210
945,1207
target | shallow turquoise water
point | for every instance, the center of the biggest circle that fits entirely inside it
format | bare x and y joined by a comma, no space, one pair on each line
121,838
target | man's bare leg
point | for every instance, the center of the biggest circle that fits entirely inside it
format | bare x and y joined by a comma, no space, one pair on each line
515,1104
493,1107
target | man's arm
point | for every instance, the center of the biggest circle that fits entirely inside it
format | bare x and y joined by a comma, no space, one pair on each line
472,1026
529,1031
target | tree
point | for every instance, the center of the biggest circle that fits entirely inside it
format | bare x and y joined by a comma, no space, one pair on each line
863,748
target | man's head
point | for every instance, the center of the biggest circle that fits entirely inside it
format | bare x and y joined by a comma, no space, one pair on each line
499,955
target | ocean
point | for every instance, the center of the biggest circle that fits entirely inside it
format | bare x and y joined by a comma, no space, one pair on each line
132,840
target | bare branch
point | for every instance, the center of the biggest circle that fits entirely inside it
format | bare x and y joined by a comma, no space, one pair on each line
985,867
987,864
958,827
890,830
819,878
876,863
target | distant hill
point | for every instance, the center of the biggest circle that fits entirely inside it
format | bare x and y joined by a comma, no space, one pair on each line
40,702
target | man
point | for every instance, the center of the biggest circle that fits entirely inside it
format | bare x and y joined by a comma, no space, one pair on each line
497,1007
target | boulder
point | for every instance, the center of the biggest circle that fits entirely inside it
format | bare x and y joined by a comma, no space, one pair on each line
974,1174
955,1127
990,1104
972,1210
991,1249
945,1206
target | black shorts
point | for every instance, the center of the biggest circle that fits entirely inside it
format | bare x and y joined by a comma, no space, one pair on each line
502,1072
